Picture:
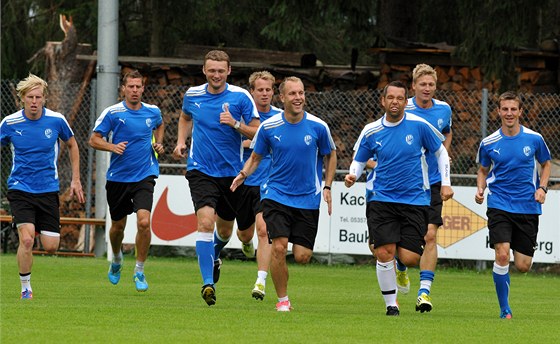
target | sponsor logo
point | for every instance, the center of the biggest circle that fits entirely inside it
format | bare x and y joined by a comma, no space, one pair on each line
277,137
198,105
167,225
379,143
19,132
122,120
459,222
497,150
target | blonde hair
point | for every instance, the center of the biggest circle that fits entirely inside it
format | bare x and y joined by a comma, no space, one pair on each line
290,78
30,83
265,75
423,69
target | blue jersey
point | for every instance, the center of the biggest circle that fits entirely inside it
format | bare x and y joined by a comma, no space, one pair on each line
216,149
296,152
513,177
401,174
35,148
439,116
135,126
258,177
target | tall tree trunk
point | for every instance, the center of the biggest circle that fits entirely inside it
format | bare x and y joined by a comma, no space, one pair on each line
398,19
157,26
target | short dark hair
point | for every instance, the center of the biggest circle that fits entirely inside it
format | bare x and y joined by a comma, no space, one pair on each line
135,74
398,84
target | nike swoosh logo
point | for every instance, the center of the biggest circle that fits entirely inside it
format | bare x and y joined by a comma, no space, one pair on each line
167,225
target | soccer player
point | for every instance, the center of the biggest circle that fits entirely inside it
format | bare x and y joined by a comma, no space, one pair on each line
298,141
219,115
132,171
508,167
261,87
397,206
438,114
33,185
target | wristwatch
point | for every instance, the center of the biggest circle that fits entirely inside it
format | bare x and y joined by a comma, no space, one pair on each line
544,188
236,125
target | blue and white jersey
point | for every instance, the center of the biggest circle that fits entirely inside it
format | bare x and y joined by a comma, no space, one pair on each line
258,177
513,177
439,116
296,152
35,148
401,174
136,127
216,149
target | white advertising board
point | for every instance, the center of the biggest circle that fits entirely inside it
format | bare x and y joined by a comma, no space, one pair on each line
464,234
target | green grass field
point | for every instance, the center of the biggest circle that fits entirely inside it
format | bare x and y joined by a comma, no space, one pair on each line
75,303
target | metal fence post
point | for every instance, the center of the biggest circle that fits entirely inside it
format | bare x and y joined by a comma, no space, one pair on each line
91,151
484,113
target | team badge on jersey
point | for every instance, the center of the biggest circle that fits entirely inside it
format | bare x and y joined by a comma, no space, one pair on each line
527,150
409,139
224,106
440,123
149,122
48,133
307,139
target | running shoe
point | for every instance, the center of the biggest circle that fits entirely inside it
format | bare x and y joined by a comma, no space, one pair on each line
424,303
114,273
284,306
258,291
140,281
208,293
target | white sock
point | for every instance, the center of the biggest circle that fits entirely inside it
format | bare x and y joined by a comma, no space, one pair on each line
261,277
282,299
25,281
117,258
139,267
387,280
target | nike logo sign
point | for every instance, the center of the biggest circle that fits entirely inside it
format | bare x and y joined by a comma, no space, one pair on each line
19,132
169,226
277,137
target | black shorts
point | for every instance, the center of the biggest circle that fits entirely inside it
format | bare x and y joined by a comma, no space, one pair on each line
436,204
42,210
250,207
397,223
298,225
520,230
215,193
126,198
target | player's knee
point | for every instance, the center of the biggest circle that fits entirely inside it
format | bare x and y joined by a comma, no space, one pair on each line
430,236
523,266
303,258
144,224
27,243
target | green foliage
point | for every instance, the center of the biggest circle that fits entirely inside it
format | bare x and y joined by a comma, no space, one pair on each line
330,29
75,303
492,31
